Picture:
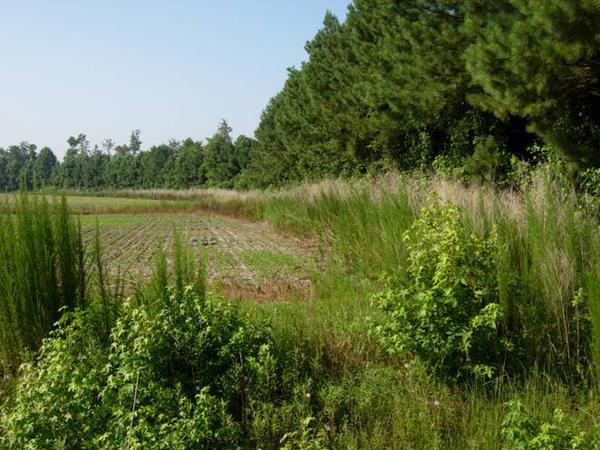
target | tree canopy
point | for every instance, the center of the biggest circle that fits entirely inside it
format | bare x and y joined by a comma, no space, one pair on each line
219,161
398,84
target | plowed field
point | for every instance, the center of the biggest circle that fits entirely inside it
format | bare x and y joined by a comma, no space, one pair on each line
247,260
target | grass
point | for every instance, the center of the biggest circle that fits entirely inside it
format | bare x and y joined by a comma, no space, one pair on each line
548,276
333,370
42,271
92,205
547,246
270,262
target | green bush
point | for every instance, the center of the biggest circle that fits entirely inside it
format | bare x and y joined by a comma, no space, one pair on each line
589,182
522,432
174,376
589,185
486,162
447,311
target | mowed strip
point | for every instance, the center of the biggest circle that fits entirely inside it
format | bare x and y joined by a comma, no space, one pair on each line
245,259
91,205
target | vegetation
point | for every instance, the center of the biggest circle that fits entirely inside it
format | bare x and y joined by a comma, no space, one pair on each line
449,313
86,204
533,253
453,297
463,84
315,373
407,83
42,273
217,162
244,259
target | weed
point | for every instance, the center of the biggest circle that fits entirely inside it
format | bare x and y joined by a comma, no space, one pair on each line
42,273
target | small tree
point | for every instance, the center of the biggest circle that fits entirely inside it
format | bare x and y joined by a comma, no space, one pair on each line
447,311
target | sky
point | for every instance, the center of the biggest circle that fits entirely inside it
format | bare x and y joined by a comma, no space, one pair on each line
171,68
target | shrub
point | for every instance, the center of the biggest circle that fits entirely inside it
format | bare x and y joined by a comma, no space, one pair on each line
446,312
174,376
55,399
522,432
589,185
305,438
447,166
487,160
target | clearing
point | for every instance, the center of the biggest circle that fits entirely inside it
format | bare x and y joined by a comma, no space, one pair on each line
245,259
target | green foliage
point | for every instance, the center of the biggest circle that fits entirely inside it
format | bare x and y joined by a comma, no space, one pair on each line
221,162
590,182
20,166
305,438
397,85
593,298
42,272
486,162
589,185
447,312
45,163
407,82
174,375
314,375
224,159
152,164
388,87
539,60
58,392
184,169
521,432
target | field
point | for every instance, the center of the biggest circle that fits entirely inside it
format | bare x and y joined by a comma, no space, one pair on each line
321,271
89,205
404,253
246,260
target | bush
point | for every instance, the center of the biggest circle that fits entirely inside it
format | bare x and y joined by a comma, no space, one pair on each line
447,311
589,185
176,376
486,162
521,432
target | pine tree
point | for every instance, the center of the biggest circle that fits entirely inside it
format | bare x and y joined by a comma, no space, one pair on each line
541,61
218,162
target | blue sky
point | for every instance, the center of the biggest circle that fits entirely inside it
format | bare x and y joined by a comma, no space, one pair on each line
172,69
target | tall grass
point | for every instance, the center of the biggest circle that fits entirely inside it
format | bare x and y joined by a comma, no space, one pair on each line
548,248
42,271
548,273
548,253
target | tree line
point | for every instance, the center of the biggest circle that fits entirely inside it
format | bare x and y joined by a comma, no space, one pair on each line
467,84
218,161
458,83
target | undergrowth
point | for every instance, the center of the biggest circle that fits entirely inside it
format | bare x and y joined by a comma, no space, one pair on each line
395,350
42,272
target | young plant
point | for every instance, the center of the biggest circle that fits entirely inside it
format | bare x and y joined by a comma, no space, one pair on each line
42,273
447,311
